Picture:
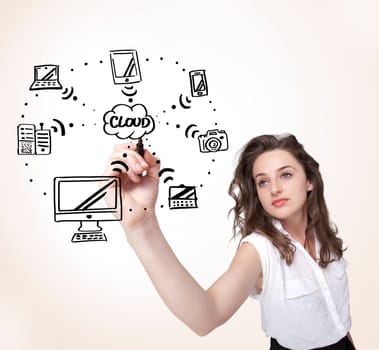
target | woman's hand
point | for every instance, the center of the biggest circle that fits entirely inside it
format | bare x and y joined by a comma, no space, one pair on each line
139,182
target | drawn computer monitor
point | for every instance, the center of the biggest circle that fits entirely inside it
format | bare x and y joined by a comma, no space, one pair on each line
87,200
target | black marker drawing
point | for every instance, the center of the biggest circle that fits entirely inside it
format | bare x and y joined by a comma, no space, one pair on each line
67,93
46,77
26,136
194,132
61,127
87,200
182,103
128,91
163,171
182,197
213,141
128,122
32,141
125,67
119,162
199,86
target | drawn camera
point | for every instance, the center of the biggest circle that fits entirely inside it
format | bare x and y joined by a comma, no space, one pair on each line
213,141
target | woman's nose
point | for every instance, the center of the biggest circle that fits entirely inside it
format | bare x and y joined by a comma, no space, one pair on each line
276,187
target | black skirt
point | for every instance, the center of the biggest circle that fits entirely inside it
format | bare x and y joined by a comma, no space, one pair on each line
343,344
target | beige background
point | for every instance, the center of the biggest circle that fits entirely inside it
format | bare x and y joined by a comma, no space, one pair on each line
305,67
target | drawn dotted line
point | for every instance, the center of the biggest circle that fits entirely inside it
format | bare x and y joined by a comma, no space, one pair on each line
177,126
75,98
31,180
173,107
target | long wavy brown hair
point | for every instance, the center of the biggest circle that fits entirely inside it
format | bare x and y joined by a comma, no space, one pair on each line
249,215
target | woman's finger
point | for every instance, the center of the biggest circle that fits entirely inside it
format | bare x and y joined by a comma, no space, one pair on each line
125,162
154,164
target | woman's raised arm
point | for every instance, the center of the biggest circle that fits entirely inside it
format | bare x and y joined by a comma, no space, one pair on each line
201,310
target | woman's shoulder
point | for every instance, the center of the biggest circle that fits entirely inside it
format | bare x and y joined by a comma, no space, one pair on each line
260,241
256,237
269,256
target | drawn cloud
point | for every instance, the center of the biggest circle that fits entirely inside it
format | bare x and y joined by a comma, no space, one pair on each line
128,122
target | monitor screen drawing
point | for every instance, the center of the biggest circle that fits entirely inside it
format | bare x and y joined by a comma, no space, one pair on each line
87,200
46,77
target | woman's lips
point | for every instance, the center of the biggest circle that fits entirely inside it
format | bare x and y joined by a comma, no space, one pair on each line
279,202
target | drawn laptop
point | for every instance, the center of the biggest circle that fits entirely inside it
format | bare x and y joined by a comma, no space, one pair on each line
46,77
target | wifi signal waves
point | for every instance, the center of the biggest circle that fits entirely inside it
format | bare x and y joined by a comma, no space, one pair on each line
119,162
182,103
164,170
127,91
194,132
61,125
67,93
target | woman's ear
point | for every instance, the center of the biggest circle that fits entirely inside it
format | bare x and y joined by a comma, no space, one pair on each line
309,186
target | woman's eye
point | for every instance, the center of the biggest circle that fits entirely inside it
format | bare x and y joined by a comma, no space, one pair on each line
286,175
262,183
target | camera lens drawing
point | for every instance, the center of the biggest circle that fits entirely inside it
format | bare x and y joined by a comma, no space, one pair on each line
213,141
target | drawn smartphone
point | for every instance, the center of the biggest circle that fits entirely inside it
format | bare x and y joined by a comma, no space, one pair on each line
125,66
198,81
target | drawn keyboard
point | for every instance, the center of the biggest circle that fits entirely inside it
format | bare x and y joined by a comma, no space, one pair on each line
88,237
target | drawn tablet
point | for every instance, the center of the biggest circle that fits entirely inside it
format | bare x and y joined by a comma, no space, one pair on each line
125,66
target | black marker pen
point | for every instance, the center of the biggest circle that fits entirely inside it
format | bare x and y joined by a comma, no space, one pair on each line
141,152
140,149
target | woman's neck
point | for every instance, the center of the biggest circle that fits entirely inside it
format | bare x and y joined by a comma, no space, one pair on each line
296,226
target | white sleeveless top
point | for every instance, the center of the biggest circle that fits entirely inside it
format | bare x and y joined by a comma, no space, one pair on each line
303,306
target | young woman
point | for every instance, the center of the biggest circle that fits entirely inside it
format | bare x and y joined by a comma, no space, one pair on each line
289,258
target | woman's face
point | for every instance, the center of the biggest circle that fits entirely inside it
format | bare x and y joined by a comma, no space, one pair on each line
281,184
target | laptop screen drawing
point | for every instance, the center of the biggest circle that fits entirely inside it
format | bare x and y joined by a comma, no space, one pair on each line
46,77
